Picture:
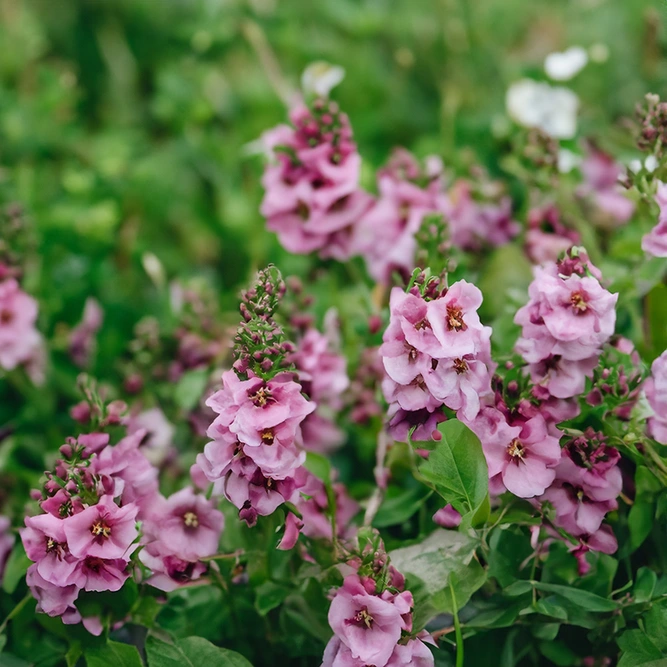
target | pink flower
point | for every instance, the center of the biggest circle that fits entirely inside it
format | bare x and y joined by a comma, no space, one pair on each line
168,572
103,530
547,237
101,574
414,653
369,625
522,456
385,234
588,481
20,342
313,504
187,523
459,383
447,517
159,434
51,599
82,337
312,198
601,182
656,394
46,545
561,377
603,540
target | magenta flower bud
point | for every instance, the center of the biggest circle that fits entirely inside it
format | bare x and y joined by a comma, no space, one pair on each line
81,412
374,324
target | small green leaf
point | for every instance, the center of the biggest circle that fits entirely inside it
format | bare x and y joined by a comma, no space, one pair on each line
190,389
585,600
318,465
558,653
457,470
640,523
113,653
399,507
268,596
645,582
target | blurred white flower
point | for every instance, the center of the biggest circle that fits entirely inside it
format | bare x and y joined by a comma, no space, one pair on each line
320,77
567,160
650,164
552,109
563,66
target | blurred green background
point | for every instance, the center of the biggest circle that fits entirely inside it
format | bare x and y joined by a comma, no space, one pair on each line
124,123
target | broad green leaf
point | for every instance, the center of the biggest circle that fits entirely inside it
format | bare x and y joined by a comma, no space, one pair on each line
191,652
429,566
457,470
637,649
113,653
655,625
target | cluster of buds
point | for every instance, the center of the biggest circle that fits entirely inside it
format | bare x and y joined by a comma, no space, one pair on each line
260,347
652,119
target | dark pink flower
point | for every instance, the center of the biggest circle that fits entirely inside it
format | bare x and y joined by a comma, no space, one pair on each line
51,599
168,572
413,653
447,517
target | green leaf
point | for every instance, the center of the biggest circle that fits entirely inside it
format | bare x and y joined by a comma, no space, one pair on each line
430,565
656,316
190,388
655,625
640,523
398,508
645,582
268,596
319,465
457,470
637,649
558,653
113,653
191,652
583,599
16,567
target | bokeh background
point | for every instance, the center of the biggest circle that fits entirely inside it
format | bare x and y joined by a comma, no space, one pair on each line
128,128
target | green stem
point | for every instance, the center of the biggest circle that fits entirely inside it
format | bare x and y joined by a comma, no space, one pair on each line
457,628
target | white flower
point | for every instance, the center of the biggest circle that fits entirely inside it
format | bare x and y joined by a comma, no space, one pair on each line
319,78
650,164
567,160
563,66
552,109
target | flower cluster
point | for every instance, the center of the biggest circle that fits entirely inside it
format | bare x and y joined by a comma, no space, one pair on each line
656,393
655,242
372,625
435,352
314,203
88,531
312,195
587,483
565,323
20,342
256,446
